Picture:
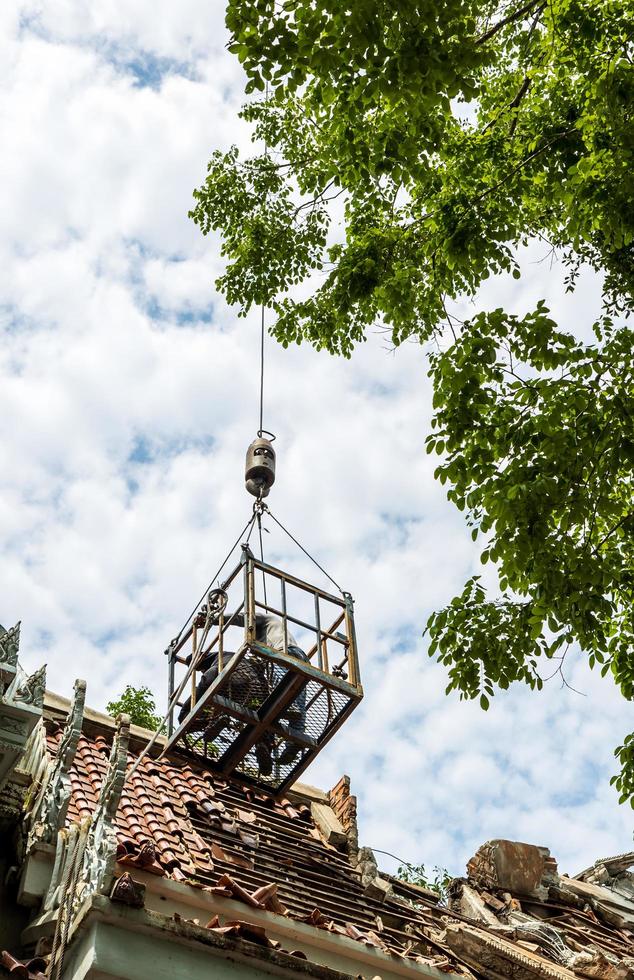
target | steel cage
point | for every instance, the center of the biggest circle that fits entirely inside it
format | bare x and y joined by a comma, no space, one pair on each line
259,712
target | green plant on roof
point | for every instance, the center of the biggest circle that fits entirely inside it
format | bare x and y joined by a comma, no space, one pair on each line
416,874
139,704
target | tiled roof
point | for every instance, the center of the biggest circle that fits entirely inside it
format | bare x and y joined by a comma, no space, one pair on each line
182,822
238,841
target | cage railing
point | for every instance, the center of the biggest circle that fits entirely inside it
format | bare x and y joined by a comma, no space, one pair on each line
326,682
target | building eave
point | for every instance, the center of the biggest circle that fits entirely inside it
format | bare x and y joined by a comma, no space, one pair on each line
185,941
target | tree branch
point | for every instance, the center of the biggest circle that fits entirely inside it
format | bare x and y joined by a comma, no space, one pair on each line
614,528
517,15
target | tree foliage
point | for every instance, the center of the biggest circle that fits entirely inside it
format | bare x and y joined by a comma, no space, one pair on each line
139,704
412,149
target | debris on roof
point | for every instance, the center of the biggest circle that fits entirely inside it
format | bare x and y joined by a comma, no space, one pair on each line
513,914
297,860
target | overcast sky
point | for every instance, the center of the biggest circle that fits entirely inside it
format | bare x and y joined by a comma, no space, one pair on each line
128,395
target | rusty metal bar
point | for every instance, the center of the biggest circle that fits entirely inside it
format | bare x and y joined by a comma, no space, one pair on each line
353,656
250,633
221,645
284,614
237,710
298,583
170,693
324,655
331,635
204,699
320,649
193,660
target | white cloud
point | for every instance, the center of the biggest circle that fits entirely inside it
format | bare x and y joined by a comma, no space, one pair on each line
128,394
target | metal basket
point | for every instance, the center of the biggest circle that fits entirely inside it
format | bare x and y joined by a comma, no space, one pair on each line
266,712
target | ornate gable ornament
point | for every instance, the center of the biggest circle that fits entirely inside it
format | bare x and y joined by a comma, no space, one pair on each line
32,689
48,815
86,853
21,701
9,648
9,644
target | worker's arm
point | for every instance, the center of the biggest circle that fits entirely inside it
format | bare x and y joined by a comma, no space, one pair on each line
237,619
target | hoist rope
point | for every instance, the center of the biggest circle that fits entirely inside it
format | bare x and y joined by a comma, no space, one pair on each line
261,428
246,540
262,310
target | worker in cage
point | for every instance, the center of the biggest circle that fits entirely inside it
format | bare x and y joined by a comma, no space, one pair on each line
251,678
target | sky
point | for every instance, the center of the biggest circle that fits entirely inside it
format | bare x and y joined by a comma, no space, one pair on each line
128,396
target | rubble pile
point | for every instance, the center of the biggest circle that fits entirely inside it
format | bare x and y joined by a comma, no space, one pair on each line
521,918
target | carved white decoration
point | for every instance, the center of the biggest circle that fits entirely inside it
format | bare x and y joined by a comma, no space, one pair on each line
85,856
48,815
31,691
9,645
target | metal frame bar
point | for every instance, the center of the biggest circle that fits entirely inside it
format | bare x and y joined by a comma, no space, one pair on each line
209,693
331,635
353,653
284,614
307,626
293,580
192,694
320,646
170,693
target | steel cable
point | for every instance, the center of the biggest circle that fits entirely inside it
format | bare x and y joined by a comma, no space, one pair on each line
262,309
217,575
307,553
192,665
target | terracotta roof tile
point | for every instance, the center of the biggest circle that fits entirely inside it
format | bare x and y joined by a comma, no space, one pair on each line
33,969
